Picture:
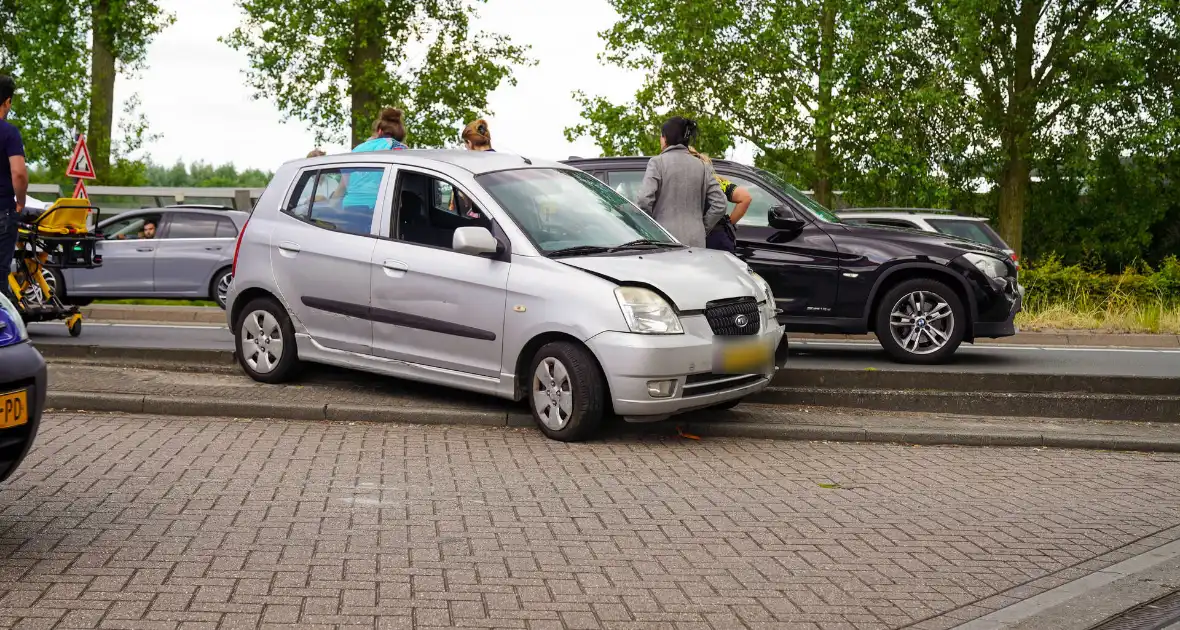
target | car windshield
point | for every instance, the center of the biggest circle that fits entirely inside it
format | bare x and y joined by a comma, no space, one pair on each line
977,231
566,211
817,210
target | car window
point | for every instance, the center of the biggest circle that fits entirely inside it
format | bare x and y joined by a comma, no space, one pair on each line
758,213
810,205
977,231
338,199
429,210
561,209
625,183
226,228
186,225
131,228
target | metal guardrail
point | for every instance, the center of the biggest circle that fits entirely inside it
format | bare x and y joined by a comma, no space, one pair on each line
238,198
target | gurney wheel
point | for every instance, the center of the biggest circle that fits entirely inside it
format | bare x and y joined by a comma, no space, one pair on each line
75,327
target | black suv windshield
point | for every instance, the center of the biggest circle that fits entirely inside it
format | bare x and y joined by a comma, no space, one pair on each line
817,210
570,212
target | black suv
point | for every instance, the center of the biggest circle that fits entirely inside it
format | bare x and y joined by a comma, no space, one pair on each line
921,293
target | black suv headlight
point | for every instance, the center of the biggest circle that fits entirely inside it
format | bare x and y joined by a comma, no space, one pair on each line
991,266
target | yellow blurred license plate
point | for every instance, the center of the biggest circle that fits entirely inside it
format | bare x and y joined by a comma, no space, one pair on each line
741,356
14,409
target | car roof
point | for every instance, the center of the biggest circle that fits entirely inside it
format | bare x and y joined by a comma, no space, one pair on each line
475,162
921,213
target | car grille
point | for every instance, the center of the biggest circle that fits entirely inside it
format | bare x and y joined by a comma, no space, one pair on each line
723,316
709,383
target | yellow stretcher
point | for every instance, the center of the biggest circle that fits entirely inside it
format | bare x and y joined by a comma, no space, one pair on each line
62,237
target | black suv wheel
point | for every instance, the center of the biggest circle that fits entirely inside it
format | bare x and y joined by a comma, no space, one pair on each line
920,321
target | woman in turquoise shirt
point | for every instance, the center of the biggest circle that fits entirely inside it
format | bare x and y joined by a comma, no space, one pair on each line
361,188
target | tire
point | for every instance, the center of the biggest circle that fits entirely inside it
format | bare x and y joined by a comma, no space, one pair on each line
76,329
217,292
254,341
577,380
915,336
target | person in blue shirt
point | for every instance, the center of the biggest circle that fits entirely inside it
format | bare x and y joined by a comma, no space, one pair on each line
360,196
14,183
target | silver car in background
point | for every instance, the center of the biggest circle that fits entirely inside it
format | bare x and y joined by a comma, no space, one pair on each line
496,274
189,256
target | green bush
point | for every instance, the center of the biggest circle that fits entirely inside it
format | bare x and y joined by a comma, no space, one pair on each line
1049,282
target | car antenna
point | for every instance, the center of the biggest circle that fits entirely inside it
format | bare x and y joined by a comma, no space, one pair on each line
526,160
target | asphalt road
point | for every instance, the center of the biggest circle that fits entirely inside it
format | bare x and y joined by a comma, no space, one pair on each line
810,354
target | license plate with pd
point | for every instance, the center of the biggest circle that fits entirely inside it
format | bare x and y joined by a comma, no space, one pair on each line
14,409
742,355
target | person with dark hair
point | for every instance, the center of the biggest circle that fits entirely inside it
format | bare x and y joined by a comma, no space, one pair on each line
14,183
678,190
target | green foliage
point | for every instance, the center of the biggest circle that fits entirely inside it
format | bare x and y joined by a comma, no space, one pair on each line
1052,283
203,175
334,64
44,49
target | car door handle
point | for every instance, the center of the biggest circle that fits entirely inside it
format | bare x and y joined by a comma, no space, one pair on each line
145,249
288,246
213,249
395,268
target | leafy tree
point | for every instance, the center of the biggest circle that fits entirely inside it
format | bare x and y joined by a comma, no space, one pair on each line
809,83
334,64
1035,72
42,49
121,31
63,88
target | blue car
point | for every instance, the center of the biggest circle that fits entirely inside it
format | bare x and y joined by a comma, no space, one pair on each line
22,389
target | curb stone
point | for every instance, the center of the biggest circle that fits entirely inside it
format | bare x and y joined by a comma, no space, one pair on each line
194,407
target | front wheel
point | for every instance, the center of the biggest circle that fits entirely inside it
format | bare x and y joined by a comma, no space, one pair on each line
265,341
219,288
921,321
567,393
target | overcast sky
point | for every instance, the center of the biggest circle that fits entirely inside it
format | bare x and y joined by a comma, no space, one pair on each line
194,94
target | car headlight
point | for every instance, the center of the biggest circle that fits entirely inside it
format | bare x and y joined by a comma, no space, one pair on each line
647,313
990,266
12,327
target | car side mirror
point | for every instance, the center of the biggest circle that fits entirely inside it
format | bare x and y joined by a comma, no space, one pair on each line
476,241
781,218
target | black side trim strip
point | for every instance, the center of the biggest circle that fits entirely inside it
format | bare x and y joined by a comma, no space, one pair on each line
395,318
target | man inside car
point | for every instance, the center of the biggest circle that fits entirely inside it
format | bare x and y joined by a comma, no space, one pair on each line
148,232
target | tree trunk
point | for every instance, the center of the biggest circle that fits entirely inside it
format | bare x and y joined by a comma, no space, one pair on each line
1017,134
102,90
822,186
368,41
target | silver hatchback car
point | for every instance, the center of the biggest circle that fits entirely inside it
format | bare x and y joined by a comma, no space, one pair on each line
496,274
168,253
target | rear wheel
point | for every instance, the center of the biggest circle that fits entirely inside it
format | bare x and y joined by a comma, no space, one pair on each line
921,321
265,341
219,287
567,393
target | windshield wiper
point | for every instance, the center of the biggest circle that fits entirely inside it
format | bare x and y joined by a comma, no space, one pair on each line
580,249
643,242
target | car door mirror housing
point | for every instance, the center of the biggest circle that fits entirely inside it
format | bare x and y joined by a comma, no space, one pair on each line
781,218
476,241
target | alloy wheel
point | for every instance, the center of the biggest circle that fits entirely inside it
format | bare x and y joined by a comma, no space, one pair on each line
921,322
553,397
262,341
223,285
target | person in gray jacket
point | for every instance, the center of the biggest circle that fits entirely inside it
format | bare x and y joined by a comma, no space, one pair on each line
678,190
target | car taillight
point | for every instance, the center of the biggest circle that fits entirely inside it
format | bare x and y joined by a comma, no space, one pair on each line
238,246
1015,259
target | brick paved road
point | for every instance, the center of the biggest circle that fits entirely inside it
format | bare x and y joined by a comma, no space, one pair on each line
145,522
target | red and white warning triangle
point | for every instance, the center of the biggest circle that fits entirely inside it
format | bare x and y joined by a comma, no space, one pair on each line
81,166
